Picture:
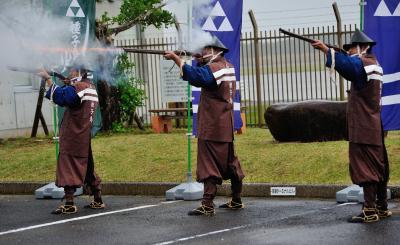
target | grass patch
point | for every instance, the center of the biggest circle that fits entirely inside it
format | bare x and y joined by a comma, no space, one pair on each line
148,157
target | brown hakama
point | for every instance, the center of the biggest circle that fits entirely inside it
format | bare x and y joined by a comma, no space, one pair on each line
76,171
368,163
217,160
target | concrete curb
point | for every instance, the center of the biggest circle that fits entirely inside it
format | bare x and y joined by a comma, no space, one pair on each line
159,189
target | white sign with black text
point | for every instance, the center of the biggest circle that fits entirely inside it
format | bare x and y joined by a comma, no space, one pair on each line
283,191
173,88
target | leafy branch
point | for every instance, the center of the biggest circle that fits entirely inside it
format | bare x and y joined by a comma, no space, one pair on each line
132,13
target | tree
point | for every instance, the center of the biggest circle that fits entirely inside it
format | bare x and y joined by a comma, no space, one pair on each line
132,13
141,13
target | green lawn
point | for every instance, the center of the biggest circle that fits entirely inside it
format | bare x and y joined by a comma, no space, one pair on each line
147,157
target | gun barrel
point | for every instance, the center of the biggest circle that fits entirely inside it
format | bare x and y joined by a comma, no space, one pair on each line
296,36
23,69
35,71
309,39
160,52
144,51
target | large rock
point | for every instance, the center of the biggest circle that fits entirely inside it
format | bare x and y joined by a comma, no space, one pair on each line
307,121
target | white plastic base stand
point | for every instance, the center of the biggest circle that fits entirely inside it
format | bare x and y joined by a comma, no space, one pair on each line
52,191
354,193
186,191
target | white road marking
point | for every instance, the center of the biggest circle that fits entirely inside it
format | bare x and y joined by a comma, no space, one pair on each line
168,202
340,205
202,235
347,203
75,219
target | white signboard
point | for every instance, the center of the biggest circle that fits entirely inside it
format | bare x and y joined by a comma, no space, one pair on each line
173,88
283,191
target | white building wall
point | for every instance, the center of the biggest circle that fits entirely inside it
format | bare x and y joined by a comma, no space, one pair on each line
18,106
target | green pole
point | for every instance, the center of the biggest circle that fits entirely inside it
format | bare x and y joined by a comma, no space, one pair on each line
55,121
50,6
362,15
189,135
55,126
55,112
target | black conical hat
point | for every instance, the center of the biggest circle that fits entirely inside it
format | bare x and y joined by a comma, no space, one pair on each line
359,37
217,44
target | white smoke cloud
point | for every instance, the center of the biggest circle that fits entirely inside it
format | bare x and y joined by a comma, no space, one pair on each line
200,38
30,37
203,8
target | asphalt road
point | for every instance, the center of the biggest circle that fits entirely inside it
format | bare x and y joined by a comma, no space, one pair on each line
150,220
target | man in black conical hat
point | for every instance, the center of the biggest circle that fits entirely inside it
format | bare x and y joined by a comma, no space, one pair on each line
75,164
216,159
369,165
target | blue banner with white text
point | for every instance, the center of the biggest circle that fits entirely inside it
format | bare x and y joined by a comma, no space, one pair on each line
382,24
224,20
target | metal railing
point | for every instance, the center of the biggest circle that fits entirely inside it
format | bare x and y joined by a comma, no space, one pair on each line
147,68
290,69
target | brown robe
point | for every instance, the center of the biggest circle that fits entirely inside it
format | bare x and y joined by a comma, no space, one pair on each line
75,164
367,151
215,156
